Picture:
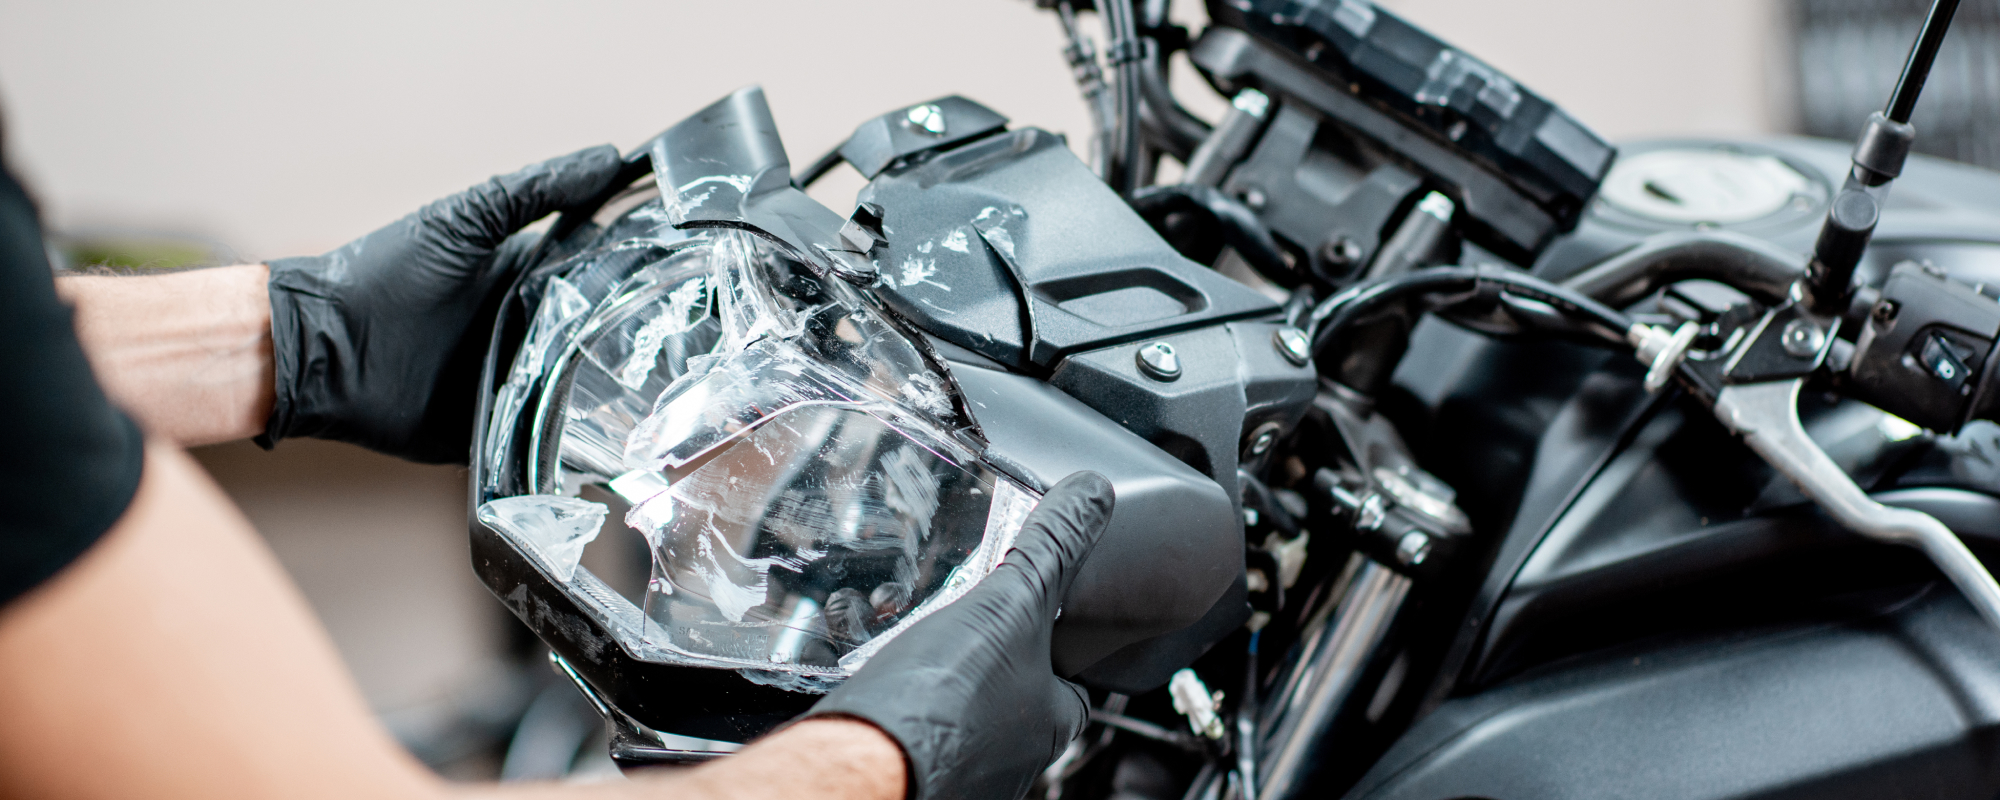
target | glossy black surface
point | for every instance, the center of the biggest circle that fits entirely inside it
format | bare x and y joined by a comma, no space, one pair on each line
1895,696
1624,526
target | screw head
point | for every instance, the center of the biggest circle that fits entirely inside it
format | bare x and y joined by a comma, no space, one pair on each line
926,119
1413,548
1159,361
1801,338
1255,198
1340,251
1293,344
1262,444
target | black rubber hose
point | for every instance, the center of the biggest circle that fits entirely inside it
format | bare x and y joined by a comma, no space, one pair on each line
1242,229
818,168
1126,59
1177,132
1335,315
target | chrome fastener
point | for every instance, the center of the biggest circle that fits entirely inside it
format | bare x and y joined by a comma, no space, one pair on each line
1413,548
1159,361
1293,343
1801,338
927,119
1262,444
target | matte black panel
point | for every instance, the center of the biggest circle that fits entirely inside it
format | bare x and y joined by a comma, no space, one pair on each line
1005,245
1173,550
728,167
1233,380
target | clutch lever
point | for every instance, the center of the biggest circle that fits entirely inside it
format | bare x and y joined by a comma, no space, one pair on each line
1766,415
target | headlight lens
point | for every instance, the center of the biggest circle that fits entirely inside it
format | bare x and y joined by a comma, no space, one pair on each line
794,464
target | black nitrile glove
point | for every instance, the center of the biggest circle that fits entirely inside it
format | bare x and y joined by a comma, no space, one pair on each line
970,692
380,342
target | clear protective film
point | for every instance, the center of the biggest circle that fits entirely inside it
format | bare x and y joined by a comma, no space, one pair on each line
796,466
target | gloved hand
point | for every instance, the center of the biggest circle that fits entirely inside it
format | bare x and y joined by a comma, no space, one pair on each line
380,342
970,692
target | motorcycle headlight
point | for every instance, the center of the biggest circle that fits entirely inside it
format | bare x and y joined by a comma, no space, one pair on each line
794,463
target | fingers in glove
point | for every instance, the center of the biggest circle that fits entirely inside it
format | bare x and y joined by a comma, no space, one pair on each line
1060,533
484,215
1071,716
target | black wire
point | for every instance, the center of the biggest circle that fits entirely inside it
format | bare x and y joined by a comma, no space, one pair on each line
818,169
1343,310
1177,131
1922,55
1257,495
1123,51
1241,228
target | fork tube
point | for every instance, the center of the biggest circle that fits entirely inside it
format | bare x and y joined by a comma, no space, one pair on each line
1340,642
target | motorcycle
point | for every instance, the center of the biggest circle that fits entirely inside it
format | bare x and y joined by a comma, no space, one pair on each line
1458,453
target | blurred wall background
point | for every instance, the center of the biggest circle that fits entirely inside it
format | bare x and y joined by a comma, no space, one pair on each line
269,129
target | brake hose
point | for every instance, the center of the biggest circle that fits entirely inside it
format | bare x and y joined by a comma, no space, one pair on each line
1335,315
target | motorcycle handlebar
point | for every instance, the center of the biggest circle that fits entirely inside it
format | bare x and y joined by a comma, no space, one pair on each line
1927,351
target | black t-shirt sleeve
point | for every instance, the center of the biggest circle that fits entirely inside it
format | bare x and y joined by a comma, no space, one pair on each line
69,461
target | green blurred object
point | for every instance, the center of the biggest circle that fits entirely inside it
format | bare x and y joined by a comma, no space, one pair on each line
137,251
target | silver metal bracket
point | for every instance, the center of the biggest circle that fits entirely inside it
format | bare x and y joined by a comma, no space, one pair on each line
1766,415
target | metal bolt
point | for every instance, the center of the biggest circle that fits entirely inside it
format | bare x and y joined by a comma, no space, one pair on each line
1413,548
1293,344
1262,444
1159,361
1340,251
1372,513
1801,338
1255,198
926,118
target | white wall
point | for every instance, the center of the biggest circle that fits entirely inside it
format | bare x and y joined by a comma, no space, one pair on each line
283,128
287,128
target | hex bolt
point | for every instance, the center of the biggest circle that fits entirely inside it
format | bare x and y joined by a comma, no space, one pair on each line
1293,344
1159,361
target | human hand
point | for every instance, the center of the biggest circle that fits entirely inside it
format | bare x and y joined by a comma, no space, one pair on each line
380,342
970,692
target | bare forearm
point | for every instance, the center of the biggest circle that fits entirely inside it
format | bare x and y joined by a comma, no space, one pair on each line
835,759
187,353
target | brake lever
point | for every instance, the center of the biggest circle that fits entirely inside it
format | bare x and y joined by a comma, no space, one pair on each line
1754,387
1766,415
